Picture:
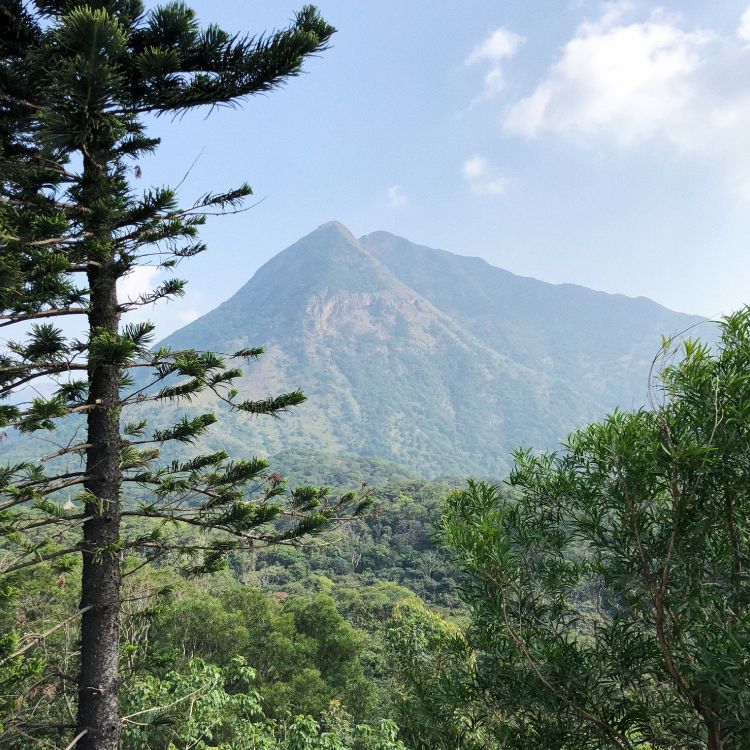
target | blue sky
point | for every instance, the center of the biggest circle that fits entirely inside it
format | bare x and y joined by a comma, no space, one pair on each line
604,144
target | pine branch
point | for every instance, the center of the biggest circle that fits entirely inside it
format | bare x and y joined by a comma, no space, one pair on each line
40,559
77,448
9,320
38,638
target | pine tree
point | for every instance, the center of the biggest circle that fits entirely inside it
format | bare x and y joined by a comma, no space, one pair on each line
77,81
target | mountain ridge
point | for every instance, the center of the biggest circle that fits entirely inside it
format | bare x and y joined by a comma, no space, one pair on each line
440,362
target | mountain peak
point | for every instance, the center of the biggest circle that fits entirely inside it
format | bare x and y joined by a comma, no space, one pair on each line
333,226
438,361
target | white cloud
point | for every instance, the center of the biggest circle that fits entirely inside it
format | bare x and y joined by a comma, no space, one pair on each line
481,177
631,81
395,197
626,81
475,167
140,280
501,44
743,30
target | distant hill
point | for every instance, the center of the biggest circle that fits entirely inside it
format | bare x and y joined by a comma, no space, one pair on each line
439,362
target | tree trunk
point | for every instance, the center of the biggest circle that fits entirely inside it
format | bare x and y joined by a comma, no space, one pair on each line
714,734
98,708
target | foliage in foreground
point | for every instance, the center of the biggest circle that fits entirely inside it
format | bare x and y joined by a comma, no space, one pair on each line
213,708
314,634
434,702
610,600
306,655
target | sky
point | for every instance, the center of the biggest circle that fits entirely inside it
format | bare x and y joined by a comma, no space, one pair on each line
605,144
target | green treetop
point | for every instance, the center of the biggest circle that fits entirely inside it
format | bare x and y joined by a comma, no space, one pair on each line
610,597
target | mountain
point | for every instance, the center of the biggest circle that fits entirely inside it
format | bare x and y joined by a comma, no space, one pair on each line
439,362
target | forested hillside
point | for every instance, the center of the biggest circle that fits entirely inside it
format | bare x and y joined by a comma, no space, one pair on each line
311,622
439,362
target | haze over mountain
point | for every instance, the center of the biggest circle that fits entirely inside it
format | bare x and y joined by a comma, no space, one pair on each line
437,361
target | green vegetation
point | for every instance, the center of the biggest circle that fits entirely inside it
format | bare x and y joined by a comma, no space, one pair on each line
161,592
438,362
186,648
78,82
609,600
395,543
599,600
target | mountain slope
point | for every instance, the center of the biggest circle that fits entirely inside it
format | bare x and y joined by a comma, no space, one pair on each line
440,362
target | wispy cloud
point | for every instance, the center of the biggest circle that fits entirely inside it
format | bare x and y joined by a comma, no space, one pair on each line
482,177
743,30
500,45
628,80
139,281
395,197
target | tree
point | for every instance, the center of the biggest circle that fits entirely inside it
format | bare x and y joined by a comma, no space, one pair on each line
212,708
76,84
609,591
435,704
